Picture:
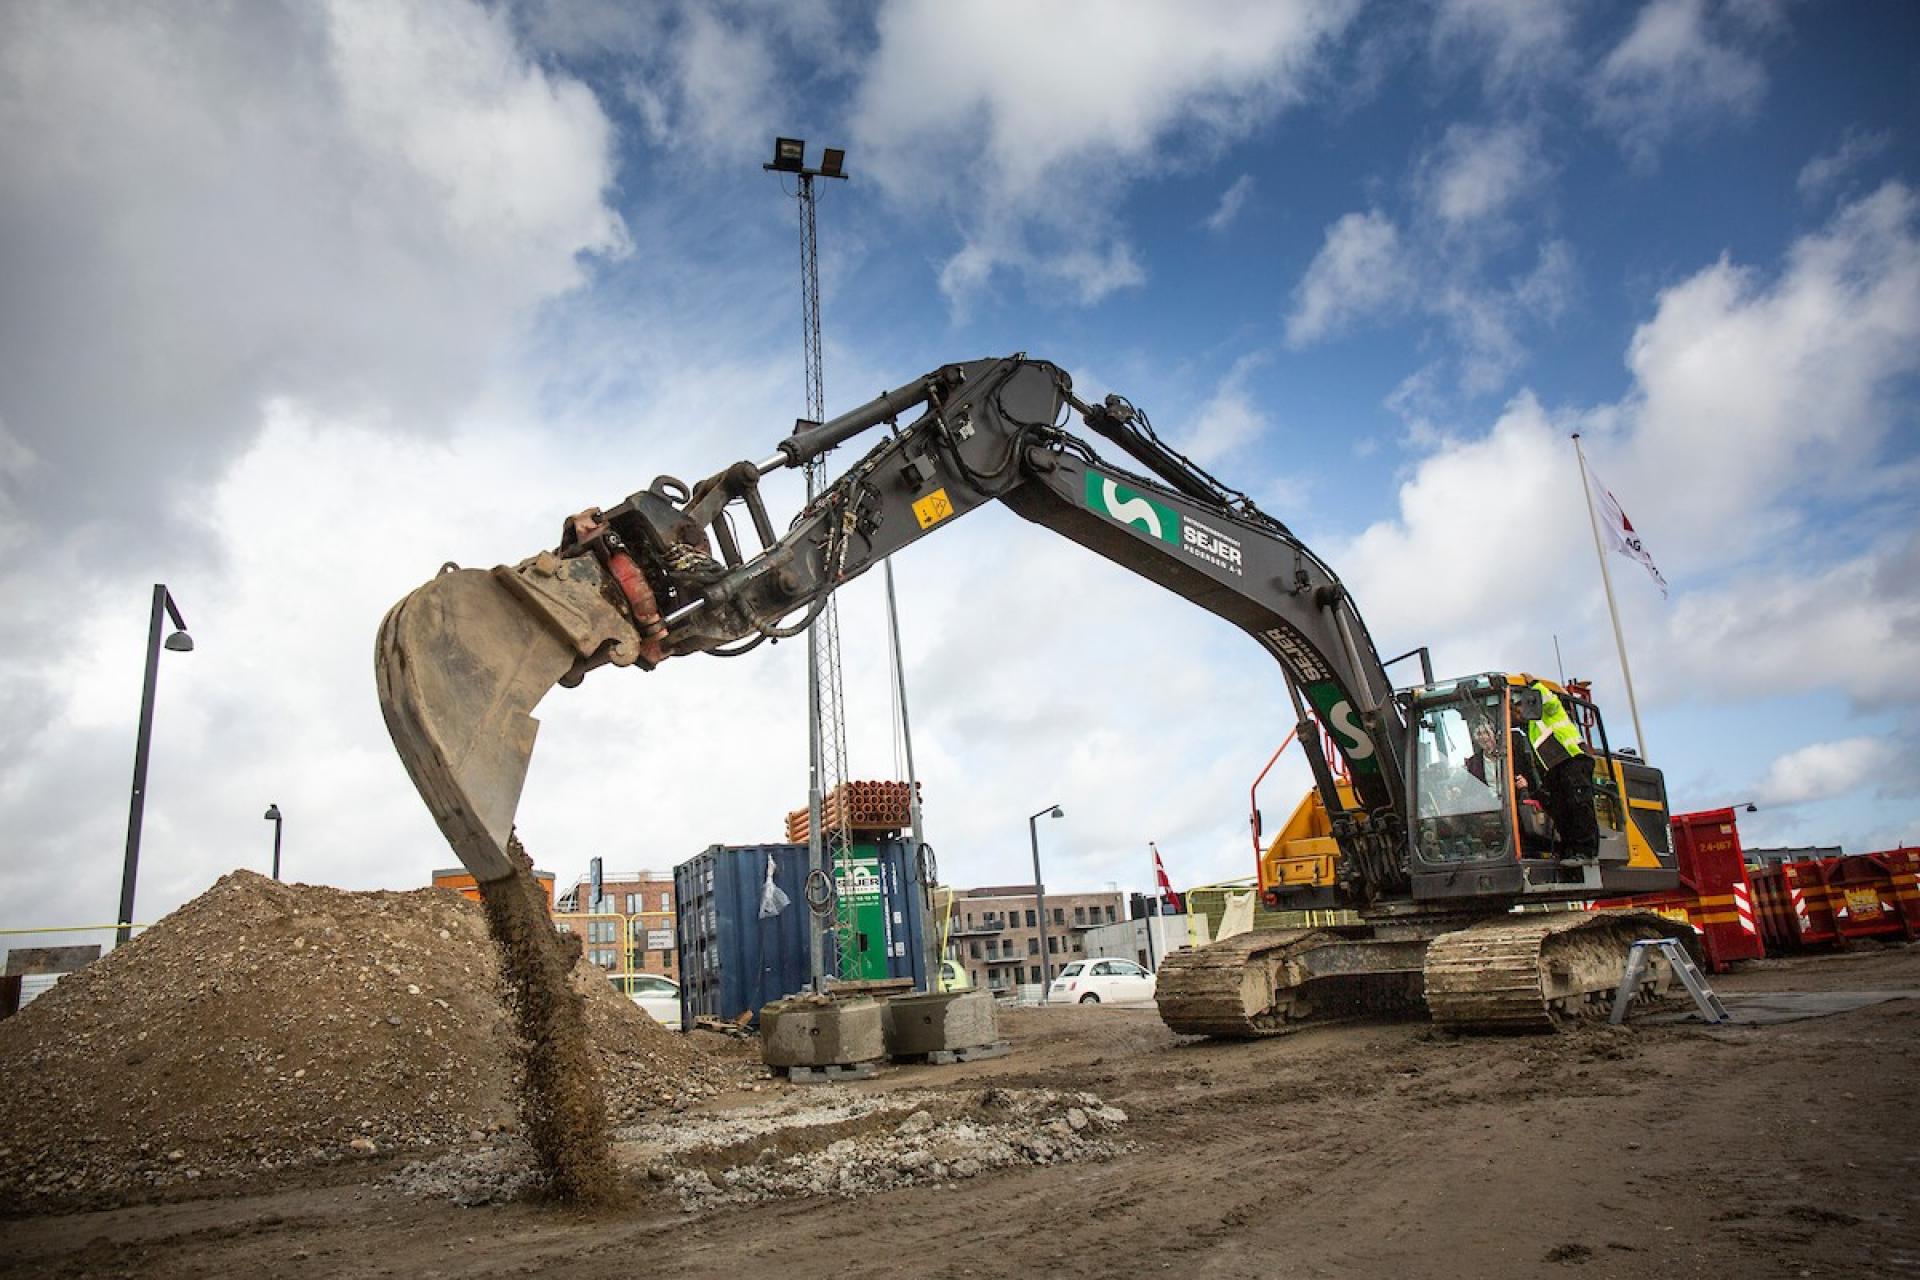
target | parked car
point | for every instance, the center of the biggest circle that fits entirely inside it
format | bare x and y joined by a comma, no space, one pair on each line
953,977
1102,982
657,995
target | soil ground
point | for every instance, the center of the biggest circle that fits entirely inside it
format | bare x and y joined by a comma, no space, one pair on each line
1790,1149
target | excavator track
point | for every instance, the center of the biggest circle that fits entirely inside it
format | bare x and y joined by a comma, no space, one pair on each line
1226,988
1272,981
1530,974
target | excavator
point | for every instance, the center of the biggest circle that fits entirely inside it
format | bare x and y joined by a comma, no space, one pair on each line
1445,874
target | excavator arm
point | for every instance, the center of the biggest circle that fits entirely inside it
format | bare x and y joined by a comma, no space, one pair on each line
463,661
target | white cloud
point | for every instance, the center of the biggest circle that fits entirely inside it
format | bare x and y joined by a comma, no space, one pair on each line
1232,201
1475,173
1361,269
1518,42
1853,627
1682,65
1777,389
1826,171
1366,268
358,204
1753,452
1022,121
1824,770
1229,420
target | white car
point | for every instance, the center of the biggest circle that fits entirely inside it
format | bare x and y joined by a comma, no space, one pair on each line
657,995
1102,982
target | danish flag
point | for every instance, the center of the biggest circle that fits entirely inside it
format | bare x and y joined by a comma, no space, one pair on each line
1167,895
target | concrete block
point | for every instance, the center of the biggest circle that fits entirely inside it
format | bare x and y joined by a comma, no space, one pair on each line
940,1022
811,1031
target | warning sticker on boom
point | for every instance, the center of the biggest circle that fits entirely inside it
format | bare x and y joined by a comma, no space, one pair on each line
933,508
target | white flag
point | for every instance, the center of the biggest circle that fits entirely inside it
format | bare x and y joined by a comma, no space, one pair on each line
1619,530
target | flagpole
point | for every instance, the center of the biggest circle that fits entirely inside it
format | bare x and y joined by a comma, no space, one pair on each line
1613,610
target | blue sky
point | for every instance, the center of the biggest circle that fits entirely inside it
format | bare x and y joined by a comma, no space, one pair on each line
304,300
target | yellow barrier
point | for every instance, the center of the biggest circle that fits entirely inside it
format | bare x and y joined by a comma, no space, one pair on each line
68,928
1210,901
620,935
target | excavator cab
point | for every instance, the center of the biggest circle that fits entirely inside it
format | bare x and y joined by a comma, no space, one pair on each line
1478,827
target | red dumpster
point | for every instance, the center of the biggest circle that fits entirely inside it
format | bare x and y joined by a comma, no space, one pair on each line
1863,894
1714,896
1793,906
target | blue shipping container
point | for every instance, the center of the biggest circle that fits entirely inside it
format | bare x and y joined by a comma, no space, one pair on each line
732,961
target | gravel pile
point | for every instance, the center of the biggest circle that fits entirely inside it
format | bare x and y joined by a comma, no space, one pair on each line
265,1027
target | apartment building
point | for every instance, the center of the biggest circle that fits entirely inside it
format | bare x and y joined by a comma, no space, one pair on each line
635,909
995,934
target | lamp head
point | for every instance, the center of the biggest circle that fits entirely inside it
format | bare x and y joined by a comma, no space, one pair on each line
179,642
1753,808
1058,812
789,155
272,814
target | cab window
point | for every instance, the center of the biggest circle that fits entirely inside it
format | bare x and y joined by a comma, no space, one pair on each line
1462,774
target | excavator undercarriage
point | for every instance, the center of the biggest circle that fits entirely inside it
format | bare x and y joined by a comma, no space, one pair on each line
1526,972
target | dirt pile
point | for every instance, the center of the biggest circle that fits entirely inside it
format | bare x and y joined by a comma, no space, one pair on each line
266,1027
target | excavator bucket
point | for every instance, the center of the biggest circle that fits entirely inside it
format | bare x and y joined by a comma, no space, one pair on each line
462,662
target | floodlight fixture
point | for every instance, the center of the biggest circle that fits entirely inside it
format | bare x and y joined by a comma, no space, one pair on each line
789,155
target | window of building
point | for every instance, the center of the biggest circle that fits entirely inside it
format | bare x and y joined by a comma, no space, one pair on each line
1110,919
1035,971
666,959
974,948
1031,920
1053,946
1033,946
1079,915
1059,915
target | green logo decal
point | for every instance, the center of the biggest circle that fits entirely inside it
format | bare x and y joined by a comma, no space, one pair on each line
1338,715
1118,502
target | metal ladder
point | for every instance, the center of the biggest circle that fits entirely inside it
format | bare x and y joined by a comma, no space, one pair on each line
1683,968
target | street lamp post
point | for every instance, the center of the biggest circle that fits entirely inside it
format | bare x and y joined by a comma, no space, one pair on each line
273,815
1040,893
179,642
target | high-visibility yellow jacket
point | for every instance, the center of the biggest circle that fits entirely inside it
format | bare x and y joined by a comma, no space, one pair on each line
1554,737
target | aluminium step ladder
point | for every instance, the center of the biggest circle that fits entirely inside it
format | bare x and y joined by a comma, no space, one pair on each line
1684,969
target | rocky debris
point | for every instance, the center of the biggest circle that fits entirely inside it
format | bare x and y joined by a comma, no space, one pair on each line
860,1145
267,1027
798,1145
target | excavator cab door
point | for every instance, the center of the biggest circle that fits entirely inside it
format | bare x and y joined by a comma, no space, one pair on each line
1462,779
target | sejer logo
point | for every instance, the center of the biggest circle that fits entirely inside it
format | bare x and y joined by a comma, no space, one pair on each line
1121,503
1158,520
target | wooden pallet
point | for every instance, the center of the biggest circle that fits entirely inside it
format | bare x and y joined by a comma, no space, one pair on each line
974,1053
832,1073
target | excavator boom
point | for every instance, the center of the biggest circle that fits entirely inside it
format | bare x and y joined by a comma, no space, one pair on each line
464,660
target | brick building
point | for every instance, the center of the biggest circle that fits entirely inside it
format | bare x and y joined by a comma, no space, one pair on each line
995,932
635,904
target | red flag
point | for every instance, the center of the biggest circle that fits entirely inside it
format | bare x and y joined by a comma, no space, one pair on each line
1167,895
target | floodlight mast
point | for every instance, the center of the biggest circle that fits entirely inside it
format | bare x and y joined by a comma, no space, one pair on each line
826,724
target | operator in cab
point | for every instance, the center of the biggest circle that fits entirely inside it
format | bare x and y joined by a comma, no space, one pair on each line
1565,774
